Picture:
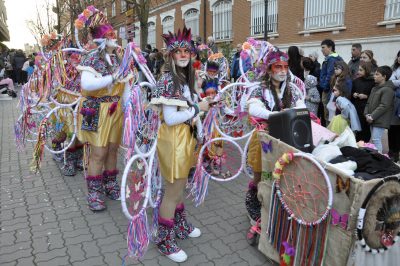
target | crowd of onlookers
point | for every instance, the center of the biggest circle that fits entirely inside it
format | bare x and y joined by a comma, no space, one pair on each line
15,68
360,93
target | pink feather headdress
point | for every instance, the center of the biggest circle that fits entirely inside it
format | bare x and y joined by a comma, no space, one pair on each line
180,40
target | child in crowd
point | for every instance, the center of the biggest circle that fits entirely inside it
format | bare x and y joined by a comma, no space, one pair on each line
379,109
362,87
313,98
345,110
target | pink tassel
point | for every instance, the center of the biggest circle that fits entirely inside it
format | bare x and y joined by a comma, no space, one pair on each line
138,237
199,185
112,108
208,124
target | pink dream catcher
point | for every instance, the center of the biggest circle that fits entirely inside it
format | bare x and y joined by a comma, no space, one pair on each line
141,181
221,158
299,211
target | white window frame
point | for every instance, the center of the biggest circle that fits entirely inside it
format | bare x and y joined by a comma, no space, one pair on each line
113,11
222,19
257,17
168,24
151,39
392,10
323,14
192,21
123,6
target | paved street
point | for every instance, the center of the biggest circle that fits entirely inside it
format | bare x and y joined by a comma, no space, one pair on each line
44,219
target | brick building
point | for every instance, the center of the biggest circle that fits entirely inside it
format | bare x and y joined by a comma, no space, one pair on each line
4,34
373,23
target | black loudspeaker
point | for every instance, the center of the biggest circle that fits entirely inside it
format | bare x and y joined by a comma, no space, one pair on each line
293,127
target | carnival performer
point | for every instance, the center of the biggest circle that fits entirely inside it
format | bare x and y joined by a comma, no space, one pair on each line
176,96
74,154
275,94
100,116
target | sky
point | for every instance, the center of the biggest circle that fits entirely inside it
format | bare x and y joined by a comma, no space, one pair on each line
18,13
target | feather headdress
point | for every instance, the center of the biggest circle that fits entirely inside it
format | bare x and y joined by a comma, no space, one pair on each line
182,39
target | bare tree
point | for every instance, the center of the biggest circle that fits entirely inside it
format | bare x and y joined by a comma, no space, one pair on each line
45,22
142,9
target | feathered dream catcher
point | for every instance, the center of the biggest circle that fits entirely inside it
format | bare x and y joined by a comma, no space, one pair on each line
221,157
378,222
141,181
299,211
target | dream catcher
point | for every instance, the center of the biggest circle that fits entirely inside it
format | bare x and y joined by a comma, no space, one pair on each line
378,222
27,126
221,158
57,132
299,211
141,181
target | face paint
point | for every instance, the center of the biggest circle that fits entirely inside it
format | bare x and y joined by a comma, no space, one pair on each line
111,43
181,57
279,71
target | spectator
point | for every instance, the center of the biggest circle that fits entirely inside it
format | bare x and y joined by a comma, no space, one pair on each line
346,114
30,69
18,62
235,68
394,130
198,41
7,81
158,63
295,62
368,56
211,44
316,66
312,99
354,62
379,109
362,87
327,70
342,74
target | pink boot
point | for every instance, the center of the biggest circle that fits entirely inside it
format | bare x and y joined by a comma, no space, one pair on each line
166,241
95,195
184,229
111,185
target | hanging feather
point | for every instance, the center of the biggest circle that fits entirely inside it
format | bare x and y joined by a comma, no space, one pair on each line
39,147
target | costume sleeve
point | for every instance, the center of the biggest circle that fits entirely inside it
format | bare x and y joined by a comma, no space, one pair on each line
259,111
314,95
90,82
174,117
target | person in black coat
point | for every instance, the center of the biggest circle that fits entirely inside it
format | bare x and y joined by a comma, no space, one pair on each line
18,62
362,87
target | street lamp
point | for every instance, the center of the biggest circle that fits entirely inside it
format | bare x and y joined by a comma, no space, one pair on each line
265,20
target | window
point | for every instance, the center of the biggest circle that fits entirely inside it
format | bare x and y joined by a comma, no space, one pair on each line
258,14
392,9
105,12
192,21
113,13
168,24
321,14
152,34
123,6
222,19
